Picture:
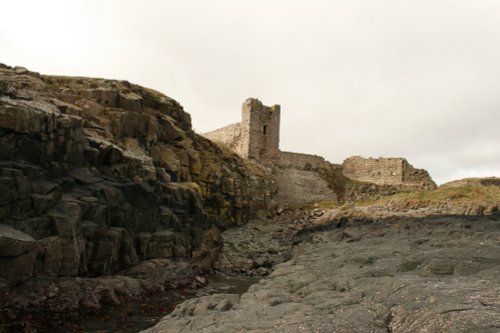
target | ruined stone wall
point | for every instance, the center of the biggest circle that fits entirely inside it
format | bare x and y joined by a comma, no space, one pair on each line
229,135
386,171
301,161
418,178
381,171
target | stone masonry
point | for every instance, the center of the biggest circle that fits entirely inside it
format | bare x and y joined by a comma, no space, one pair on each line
257,136
386,171
260,131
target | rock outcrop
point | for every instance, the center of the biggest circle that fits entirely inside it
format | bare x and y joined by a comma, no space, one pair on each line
433,274
485,181
409,208
98,175
426,262
467,197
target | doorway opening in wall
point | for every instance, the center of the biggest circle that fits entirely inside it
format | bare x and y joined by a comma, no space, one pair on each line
264,129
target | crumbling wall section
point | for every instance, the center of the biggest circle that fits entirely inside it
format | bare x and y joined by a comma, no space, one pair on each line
381,171
386,171
229,135
418,178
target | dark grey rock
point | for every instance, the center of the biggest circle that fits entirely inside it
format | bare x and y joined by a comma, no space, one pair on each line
103,174
401,276
14,242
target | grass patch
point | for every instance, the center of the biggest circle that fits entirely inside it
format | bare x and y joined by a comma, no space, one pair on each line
459,195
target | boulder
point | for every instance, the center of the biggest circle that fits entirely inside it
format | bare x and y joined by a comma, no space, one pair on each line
17,255
14,243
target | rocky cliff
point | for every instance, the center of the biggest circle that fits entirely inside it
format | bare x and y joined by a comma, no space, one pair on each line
97,175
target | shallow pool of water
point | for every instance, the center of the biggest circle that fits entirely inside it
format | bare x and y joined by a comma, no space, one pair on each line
137,315
219,283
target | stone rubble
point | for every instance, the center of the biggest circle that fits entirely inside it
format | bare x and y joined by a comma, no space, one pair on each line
255,248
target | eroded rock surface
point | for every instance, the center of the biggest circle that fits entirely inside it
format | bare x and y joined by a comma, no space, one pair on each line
434,274
99,175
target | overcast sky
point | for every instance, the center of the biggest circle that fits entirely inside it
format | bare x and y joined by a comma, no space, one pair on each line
418,79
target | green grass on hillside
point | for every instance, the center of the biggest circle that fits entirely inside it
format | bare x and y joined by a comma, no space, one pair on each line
462,194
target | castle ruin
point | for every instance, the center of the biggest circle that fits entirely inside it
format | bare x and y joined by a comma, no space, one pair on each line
257,136
386,171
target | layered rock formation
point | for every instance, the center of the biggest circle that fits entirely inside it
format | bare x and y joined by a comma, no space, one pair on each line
97,175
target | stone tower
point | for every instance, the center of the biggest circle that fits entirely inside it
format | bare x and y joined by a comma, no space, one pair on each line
260,131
